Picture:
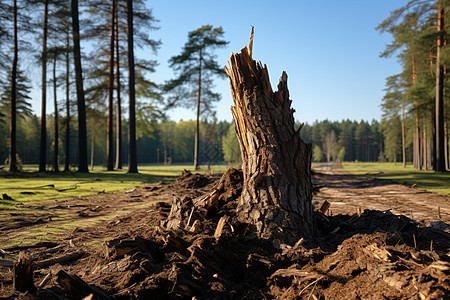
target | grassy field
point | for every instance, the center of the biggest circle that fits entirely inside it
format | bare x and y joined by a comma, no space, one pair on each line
32,193
426,180
31,186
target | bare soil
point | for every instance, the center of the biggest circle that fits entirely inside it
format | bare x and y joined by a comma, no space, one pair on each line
374,242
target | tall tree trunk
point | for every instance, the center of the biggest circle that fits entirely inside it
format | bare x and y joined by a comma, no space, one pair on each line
92,146
276,162
119,102
81,103
12,128
446,145
132,151
447,166
439,106
109,122
403,136
424,151
432,150
197,123
56,145
417,150
67,160
416,143
43,141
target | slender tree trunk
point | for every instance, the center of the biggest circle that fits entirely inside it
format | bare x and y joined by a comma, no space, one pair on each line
197,123
92,146
81,103
446,145
276,163
416,143
439,106
132,151
417,149
119,102
12,128
432,150
424,151
67,160
403,136
43,141
109,122
55,97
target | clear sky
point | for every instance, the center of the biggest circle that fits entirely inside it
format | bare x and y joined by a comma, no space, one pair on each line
329,49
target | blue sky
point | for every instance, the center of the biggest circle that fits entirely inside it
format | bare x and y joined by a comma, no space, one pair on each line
329,49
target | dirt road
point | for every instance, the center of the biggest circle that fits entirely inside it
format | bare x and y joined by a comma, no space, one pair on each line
349,194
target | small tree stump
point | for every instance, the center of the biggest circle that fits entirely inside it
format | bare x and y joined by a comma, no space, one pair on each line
23,274
276,162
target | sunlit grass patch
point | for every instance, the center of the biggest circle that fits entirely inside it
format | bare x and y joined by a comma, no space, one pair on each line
426,180
34,193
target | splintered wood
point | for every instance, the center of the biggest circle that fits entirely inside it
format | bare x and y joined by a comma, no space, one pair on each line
276,162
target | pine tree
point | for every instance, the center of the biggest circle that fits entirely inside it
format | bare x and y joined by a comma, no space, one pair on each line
418,29
195,67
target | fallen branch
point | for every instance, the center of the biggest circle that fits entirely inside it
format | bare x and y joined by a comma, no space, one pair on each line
58,260
6,263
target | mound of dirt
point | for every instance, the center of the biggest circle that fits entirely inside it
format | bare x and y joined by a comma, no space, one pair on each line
191,181
208,254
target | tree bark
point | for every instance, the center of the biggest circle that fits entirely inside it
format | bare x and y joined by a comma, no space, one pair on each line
81,103
55,98
109,125
276,162
92,146
417,150
197,122
132,153
67,160
446,145
119,102
403,136
439,161
23,274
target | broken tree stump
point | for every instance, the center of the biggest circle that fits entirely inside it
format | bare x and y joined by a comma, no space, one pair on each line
276,162
23,274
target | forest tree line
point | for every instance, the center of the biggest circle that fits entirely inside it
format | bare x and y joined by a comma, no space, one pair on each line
416,106
173,142
92,91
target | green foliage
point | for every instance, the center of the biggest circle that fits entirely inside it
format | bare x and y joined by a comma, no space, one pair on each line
392,137
23,99
317,153
414,41
196,64
230,146
330,145
361,140
341,154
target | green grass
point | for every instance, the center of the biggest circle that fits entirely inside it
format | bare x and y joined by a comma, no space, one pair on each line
32,192
30,186
425,180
